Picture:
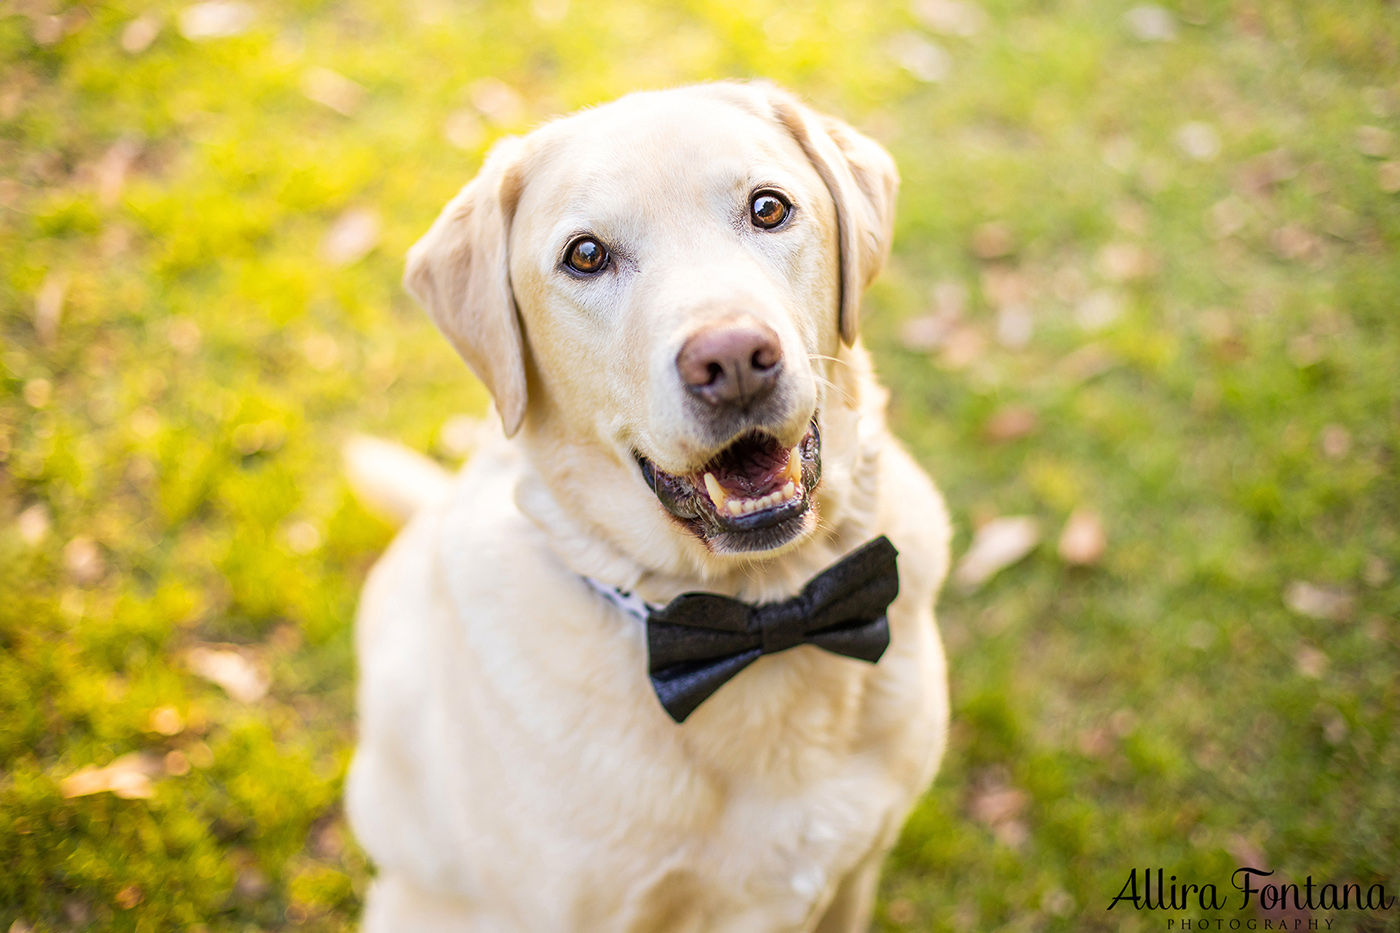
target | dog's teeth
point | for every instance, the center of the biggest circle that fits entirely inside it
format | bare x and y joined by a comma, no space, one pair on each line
735,506
789,490
716,491
794,464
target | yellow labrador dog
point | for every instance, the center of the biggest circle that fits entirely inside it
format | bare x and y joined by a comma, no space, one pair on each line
661,295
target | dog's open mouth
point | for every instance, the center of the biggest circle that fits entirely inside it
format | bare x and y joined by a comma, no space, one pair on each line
754,495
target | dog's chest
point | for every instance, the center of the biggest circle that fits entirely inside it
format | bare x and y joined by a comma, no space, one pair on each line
769,841
757,805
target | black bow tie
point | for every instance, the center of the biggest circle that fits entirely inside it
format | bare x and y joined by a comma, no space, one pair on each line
697,641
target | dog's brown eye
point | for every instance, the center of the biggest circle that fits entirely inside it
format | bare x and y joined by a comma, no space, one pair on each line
586,255
768,209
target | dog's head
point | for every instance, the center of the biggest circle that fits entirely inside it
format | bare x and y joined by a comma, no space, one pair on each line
657,293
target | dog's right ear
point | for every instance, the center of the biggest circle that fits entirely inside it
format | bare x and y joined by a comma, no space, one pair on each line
459,273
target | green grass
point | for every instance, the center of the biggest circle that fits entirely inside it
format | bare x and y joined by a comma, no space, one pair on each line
1235,425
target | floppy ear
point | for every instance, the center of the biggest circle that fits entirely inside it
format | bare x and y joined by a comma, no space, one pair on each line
863,182
459,273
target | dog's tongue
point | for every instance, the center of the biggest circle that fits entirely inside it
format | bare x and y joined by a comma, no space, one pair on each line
753,468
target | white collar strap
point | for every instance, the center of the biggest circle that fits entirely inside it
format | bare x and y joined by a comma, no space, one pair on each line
630,603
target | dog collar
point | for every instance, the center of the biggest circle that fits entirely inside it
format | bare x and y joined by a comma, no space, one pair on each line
698,641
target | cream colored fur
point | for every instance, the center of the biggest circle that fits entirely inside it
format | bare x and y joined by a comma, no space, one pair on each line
515,771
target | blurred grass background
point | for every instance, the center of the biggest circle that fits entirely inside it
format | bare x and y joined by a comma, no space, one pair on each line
1145,272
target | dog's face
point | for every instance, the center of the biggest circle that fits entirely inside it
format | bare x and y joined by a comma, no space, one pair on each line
657,291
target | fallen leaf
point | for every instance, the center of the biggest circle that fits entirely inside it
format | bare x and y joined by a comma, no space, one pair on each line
1335,730
1377,572
463,129
82,558
1310,661
252,883
37,392
1096,742
1336,442
138,34
1124,262
218,19
1374,142
1000,809
129,896
901,910
1058,902
1009,423
1004,286
48,29
176,763
1265,171
1015,326
1388,177
184,336
352,237
950,298
333,90
1304,350
48,306
240,676
950,17
1227,217
34,523
165,720
549,12
1198,141
1098,310
997,804
129,777
497,100
1296,242
923,59
1150,23
329,841
996,545
1089,361
113,168
961,347
1083,540
1246,853
993,240
303,537
926,332
1319,602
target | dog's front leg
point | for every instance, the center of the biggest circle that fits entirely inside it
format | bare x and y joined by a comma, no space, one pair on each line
850,909
397,905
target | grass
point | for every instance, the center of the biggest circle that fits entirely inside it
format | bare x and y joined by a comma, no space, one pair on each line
1177,268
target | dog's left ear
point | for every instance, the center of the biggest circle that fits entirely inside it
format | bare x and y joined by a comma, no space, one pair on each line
459,272
863,182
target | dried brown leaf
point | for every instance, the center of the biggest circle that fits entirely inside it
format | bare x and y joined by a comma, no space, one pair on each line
1009,423
352,237
1083,540
129,777
1319,602
242,677
996,545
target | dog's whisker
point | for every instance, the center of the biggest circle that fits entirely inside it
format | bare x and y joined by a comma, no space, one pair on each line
845,396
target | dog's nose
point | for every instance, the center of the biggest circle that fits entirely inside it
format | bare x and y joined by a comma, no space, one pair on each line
733,363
